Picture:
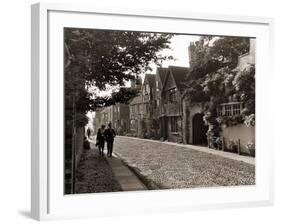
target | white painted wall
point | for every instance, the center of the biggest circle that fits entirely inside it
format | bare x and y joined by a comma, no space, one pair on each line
242,132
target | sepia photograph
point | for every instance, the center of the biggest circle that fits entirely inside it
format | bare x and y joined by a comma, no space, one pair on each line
157,111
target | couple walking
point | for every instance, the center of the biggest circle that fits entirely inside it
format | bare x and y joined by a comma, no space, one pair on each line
107,135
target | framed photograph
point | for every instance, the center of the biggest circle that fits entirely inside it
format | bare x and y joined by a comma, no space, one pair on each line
141,112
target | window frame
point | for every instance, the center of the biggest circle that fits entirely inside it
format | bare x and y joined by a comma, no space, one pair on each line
229,110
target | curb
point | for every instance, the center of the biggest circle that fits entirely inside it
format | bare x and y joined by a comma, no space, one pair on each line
229,155
147,182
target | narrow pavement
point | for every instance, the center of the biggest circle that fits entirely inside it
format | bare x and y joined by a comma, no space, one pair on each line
167,166
94,174
102,174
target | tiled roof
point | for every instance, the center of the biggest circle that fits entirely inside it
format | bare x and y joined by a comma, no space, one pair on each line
162,74
179,74
151,79
136,100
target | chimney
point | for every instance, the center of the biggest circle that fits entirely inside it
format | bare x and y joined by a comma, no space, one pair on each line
191,55
136,83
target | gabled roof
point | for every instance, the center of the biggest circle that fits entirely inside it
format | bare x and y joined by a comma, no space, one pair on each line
162,72
136,100
151,79
178,74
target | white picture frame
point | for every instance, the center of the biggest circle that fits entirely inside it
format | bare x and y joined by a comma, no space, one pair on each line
47,201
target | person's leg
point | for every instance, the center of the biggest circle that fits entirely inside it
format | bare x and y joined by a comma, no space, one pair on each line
102,148
111,150
99,147
108,148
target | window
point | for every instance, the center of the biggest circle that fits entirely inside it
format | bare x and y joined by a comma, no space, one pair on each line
156,103
172,95
132,109
145,108
175,124
157,85
236,109
230,109
133,124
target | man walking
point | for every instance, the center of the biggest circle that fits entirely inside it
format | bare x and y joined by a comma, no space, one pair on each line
109,134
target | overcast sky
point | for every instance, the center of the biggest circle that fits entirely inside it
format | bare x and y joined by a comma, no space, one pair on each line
179,50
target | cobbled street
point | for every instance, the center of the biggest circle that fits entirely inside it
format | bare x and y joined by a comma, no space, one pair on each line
164,166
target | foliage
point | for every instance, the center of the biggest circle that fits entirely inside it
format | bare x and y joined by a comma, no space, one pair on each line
214,128
103,57
81,120
124,95
227,49
218,143
244,84
230,121
110,57
232,146
212,63
249,120
250,146
213,79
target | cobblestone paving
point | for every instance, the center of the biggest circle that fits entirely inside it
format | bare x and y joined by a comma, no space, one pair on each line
169,166
94,174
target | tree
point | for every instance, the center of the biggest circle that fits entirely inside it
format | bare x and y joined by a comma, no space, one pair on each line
211,73
87,103
104,57
212,79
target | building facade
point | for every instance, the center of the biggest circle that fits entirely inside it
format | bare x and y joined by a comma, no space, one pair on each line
239,133
117,115
194,127
143,121
120,117
171,104
159,114
135,108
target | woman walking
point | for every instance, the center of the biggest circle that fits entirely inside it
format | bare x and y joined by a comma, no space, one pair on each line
100,139
109,134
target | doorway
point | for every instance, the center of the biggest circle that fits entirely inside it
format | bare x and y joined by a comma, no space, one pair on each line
199,130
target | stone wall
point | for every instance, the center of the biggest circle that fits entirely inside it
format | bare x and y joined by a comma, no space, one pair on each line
175,136
189,110
79,144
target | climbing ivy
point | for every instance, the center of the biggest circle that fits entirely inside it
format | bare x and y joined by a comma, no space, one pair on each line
213,79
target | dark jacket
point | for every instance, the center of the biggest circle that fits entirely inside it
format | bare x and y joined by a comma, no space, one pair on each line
100,136
109,134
